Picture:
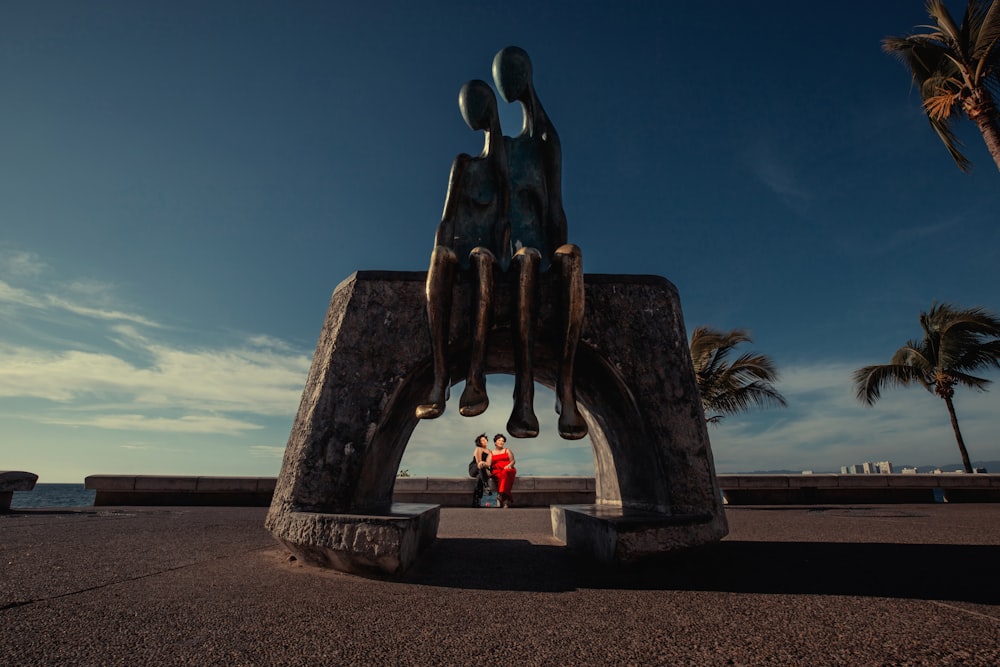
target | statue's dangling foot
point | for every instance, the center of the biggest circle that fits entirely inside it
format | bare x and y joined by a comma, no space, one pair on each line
474,400
572,425
522,423
434,407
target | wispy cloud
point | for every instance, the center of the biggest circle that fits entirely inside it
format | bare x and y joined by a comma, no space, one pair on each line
238,379
267,451
920,232
775,167
130,374
205,424
19,297
21,264
53,301
780,179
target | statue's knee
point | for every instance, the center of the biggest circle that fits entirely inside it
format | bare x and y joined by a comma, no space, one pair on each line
480,256
442,254
569,251
528,256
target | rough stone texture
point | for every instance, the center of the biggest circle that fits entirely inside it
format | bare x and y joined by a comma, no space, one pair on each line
619,534
362,544
372,366
14,480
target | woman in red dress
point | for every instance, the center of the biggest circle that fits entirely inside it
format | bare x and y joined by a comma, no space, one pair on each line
503,470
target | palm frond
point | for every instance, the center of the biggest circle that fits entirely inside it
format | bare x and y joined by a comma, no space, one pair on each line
731,387
971,381
938,107
871,380
747,397
951,143
986,37
944,23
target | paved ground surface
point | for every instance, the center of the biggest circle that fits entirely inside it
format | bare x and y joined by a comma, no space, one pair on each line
863,585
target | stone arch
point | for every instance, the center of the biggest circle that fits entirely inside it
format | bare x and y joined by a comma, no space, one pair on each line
633,378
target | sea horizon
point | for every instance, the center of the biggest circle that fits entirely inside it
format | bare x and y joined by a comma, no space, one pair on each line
53,494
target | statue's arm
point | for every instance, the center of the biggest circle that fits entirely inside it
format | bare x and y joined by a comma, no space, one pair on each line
446,229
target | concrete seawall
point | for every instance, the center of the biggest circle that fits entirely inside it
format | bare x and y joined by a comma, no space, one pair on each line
544,491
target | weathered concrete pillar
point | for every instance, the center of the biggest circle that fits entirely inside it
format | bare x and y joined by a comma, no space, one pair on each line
655,478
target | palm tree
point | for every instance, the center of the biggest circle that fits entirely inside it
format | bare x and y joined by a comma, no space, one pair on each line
731,388
957,70
955,343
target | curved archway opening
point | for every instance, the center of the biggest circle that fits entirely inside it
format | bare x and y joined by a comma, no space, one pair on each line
442,447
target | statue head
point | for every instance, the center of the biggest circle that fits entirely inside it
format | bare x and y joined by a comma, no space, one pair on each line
512,73
478,105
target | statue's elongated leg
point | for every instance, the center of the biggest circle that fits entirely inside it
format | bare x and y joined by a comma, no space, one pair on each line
440,281
474,400
568,261
523,423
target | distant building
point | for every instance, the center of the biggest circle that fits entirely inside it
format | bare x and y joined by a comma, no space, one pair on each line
867,468
909,471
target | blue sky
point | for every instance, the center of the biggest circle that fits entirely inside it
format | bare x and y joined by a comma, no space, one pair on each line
183,184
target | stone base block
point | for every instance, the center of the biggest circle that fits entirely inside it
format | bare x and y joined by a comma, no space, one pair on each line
615,534
360,543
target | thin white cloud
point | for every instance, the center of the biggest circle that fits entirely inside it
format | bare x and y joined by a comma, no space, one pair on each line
17,296
87,298
204,424
267,451
921,232
777,172
780,179
97,313
21,264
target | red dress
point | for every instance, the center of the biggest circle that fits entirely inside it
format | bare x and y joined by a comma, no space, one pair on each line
503,474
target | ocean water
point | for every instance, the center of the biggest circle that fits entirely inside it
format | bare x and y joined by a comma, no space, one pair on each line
53,495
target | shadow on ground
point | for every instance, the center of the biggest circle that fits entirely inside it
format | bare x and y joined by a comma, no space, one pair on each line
915,571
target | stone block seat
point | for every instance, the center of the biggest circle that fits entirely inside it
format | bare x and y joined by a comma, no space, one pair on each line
14,480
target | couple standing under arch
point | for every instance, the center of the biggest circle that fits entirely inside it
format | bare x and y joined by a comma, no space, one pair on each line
503,215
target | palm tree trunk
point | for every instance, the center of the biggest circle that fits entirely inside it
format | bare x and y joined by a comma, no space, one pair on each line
958,435
990,129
